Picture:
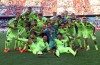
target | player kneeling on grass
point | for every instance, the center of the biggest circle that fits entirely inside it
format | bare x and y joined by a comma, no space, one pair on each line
38,46
89,32
61,48
12,33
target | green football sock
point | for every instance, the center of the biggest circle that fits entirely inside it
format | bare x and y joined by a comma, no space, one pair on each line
16,42
57,53
84,44
71,43
96,47
34,52
72,51
7,44
39,52
19,44
23,39
88,47
29,50
25,47
79,41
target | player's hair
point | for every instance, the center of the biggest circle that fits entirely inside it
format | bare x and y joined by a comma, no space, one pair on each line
17,13
54,12
60,24
28,24
44,34
40,14
15,22
33,32
48,23
35,20
59,16
85,18
29,8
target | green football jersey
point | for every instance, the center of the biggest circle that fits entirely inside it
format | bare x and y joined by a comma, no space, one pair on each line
80,26
61,30
24,33
59,43
31,16
41,45
11,30
21,23
33,46
71,29
89,26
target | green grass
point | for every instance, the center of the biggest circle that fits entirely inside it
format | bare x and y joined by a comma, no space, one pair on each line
91,57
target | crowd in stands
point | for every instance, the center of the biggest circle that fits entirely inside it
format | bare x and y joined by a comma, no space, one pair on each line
4,22
10,10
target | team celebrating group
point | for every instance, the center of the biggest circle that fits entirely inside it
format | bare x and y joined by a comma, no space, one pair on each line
58,34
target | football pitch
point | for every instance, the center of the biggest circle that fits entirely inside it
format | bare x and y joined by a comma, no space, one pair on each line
83,57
